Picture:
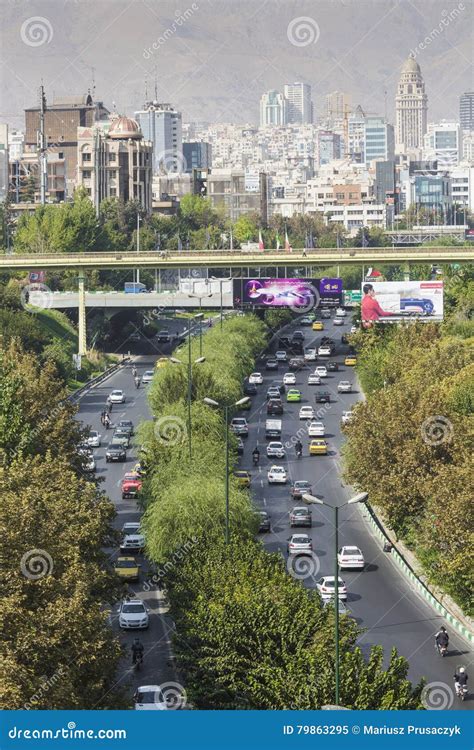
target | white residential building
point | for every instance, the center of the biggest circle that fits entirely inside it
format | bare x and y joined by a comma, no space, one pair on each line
443,143
462,185
353,217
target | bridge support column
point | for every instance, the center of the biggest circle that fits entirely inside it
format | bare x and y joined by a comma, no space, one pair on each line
406,272
82,314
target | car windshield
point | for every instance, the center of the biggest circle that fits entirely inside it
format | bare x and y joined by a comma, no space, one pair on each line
150,696
300,539
116,393
133,609
93,433
351,551
126,563
116,443
125,425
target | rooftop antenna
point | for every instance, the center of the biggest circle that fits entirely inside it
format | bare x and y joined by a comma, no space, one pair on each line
92,88
146,89
156,87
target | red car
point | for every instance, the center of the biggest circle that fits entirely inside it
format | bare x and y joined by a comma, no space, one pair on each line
131,485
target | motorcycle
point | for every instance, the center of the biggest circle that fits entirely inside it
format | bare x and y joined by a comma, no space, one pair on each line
461,691
137,661
137,382
442,649
299,452
255,458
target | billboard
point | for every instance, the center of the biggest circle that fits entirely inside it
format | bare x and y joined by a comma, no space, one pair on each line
392,301
298,293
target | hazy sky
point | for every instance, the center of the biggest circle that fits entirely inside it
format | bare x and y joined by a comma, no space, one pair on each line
214,58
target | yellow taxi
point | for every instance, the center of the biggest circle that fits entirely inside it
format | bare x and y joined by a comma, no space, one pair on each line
162,362
243,478
127,568
318,447
318,325
350,360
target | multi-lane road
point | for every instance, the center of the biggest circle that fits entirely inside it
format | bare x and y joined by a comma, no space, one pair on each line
380,598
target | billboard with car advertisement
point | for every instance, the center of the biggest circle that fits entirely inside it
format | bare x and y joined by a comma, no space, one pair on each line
299,294
393,301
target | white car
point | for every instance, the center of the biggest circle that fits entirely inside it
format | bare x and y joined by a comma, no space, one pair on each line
275,449
338,321
94,439
324,351
133,615
350,557
149,698
88,461
256,378
354,329
314,379
299,544
147,376
310,355
340,312
346,417
289,378
306,412
344,386
277,475
280,355
132,538
321,370
117,397
316,429
326,588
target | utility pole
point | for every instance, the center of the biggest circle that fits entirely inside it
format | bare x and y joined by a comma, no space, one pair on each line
42,148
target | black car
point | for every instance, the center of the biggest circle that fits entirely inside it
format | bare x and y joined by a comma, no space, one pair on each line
296,363
284,342
275,406
163,337
271,364
344,339
297,336
265,524
273,392
250,389
325,313
332,366
240,446
278,384
115,452
323,397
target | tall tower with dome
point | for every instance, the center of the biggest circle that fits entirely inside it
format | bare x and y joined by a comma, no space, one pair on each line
411,106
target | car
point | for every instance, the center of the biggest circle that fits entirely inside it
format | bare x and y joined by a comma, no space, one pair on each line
132,538
340,312
338,321
325,313
296,363
346,417
264,522
293,395
329,341
354,329
271,364
131,484
284,342
321,370
316,429
299,544
299,488
306,320
350,360
94,439
280,355
147,376
121,436
350,557
273,392
275,406
239,426
289,378
343,609
277,475
256,378
310,355
323,397
116,397
423,306
163,336
133,615
318,447
300,516
314,379
243,478
306,412
149,698
115,451
326,588
324,350
278,384
88,460
332,366
135,336
127,568
240,446
318,325
344,386
126,425
344,339
275,449
250,389
298,336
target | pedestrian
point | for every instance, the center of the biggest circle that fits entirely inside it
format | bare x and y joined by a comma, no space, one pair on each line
304,253
109,407
102,416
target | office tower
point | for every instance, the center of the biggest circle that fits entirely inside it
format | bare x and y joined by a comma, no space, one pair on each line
443,143
161,124
411,105
378,139
273,109
466,110
300,106
197,155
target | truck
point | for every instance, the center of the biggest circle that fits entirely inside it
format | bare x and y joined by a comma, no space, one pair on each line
134,287
273,428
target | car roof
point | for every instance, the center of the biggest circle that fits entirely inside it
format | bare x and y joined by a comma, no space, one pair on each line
133,601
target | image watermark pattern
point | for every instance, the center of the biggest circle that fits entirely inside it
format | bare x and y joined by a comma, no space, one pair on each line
36,564
448,16
46,684
172,161
170,430
303,31
174,695
437,696
36,31
36,297
312,299
437,430
177,557
302,567
179,20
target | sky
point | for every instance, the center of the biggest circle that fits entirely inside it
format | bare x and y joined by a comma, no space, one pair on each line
212,59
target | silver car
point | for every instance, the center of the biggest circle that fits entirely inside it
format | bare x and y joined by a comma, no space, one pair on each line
344,386
299,544
275,449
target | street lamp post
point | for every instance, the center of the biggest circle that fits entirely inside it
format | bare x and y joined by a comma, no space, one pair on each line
221,281
138,244
200,297
226,407
197,361
313,500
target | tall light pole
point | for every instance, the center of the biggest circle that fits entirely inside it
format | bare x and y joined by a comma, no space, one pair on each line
138,244
313,500
226,407
197,361
200,297
221,281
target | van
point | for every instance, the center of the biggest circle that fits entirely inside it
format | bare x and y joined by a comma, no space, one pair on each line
273,428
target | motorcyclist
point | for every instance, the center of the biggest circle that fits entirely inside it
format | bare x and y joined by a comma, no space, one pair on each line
256,455
442,638
106,421
298,447
137,651
137,381
134,371
460,679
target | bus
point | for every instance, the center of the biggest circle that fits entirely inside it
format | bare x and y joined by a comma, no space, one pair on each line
134,287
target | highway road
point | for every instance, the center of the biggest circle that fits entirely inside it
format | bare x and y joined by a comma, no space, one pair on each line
380,599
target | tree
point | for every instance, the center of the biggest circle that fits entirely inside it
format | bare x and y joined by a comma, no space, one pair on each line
245,229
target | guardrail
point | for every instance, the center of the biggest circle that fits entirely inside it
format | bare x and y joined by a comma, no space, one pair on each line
95,381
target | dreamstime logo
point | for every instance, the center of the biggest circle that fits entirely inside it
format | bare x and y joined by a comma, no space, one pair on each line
311,300
447,18
36,31
437,430
36,296
170,430
303,566
36,564
302,31
172,161
437,696
174,695
180,19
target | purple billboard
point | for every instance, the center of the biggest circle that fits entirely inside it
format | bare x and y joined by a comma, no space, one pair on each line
298,294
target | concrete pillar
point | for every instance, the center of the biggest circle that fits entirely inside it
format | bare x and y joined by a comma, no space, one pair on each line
406,272
82,314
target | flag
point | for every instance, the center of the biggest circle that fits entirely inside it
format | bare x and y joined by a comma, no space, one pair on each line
208,237
261,246
288,247
278,241
231,241
180,244
364,239
338,241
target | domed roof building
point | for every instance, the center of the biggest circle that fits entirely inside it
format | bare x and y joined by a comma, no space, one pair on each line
411,106
124,127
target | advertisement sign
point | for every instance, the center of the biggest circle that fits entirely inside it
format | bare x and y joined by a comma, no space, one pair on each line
352,297
36,277
392,301
298,294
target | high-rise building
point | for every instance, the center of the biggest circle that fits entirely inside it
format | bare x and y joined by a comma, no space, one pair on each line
197,155
328,146
3,161
443,143
300,106
338,105
411,105
466,110
161,124
16,143
356,135
273,109
378,140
